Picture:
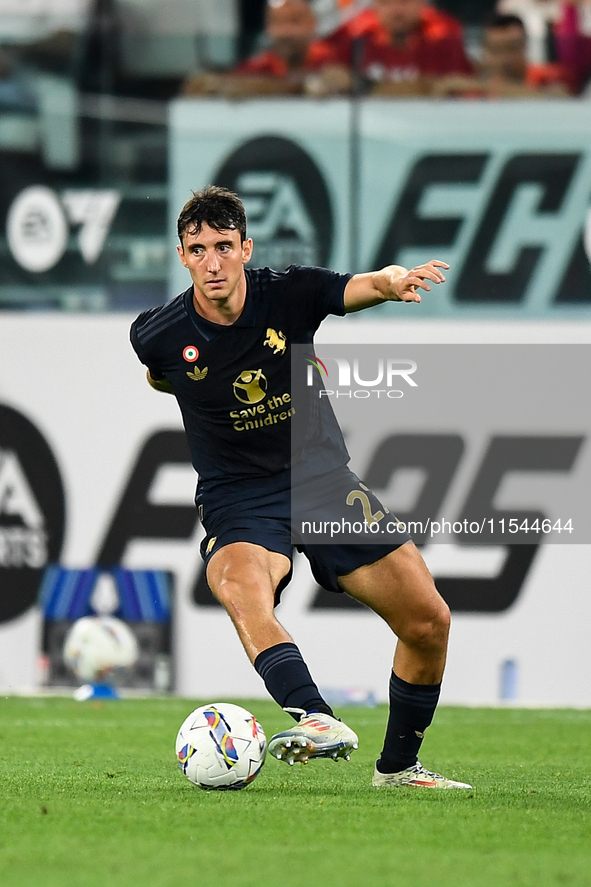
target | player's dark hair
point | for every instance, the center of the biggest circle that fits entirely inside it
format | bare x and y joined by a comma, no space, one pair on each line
217,207
499,20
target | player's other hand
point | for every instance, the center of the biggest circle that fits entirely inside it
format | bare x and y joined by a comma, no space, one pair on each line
402,285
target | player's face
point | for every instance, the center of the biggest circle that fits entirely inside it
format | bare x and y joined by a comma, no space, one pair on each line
215,260
399,16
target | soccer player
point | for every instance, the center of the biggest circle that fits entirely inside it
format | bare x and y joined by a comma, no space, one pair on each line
223,349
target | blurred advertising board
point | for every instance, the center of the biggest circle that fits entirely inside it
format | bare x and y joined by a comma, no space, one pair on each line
83,200
501,191
95,475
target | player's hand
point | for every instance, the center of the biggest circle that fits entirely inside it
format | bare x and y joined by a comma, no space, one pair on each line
402,287
391,284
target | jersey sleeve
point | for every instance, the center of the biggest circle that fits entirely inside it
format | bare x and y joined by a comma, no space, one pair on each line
317,292
149,360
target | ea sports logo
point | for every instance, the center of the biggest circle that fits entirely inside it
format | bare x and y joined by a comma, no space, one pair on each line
250,386
286,200
31,512
38,225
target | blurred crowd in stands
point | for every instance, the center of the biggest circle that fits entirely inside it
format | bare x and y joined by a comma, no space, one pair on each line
472,49
526,49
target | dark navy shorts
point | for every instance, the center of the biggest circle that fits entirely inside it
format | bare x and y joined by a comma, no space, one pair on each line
336,521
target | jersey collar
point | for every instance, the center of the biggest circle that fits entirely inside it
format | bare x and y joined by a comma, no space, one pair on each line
210,330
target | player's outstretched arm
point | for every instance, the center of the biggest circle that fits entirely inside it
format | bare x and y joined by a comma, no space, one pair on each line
159,384
392,284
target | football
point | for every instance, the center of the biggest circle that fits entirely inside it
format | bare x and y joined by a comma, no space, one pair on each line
97,645
221,746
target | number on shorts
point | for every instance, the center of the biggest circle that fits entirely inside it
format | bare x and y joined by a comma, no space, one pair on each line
370,518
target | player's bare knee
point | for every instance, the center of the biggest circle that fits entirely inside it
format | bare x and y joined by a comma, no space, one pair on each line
229,592
243,598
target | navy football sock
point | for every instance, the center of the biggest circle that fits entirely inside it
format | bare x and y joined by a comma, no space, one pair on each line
412,707
288,680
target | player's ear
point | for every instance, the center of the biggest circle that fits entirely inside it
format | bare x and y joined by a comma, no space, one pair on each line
246,250
181,253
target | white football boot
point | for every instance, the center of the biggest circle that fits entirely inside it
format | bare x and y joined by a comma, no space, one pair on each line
316,735
416,776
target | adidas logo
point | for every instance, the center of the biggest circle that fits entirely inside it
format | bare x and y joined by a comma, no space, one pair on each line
317,725
198,374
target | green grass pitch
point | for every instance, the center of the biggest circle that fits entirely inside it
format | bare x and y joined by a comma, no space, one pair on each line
91,796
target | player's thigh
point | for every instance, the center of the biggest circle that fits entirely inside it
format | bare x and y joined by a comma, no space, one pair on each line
245,575
400,589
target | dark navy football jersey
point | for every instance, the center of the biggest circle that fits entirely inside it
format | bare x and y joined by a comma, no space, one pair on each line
233,382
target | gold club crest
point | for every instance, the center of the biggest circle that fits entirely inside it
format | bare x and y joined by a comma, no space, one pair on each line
276,341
